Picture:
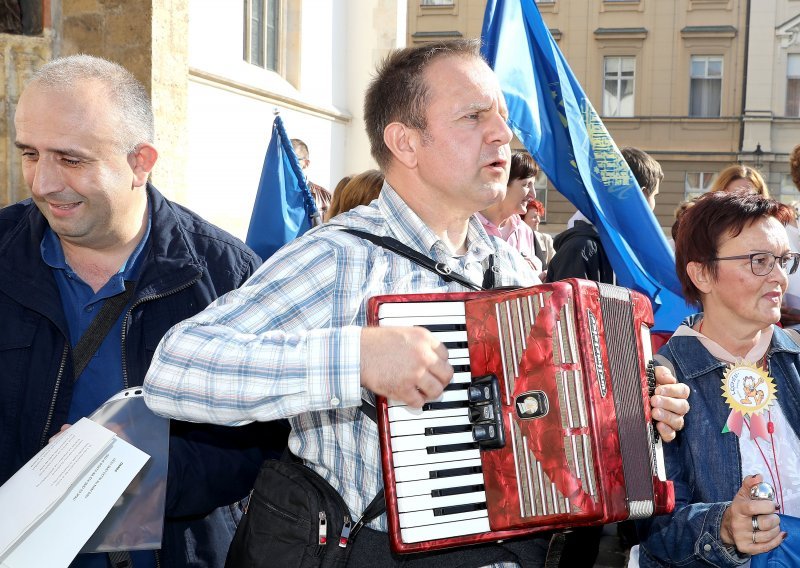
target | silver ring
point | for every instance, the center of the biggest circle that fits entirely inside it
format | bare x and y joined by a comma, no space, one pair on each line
754,537
755,523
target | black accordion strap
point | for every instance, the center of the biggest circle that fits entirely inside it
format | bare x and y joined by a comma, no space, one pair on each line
377,506
444,271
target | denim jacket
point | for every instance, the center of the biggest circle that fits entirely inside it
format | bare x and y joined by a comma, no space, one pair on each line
704,464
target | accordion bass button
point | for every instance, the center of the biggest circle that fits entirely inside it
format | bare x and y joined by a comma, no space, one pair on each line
484,433
481,413
489,436
485,412
482,393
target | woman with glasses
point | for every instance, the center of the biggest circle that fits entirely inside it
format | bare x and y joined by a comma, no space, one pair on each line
733,259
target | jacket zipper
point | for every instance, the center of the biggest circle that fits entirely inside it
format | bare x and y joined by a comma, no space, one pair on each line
51,410
130,310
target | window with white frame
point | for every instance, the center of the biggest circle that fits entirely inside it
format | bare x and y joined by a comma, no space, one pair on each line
262,30
618,75
697,183
705,94
793,84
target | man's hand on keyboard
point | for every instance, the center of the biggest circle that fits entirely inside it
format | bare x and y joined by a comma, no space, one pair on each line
669,404
404,363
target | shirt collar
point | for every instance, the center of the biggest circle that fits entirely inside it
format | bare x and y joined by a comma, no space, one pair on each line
504,230
755,354
407,227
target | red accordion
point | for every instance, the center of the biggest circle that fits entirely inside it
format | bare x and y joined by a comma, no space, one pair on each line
545,424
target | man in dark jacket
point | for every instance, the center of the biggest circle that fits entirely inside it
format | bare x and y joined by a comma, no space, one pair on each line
579,254
94,227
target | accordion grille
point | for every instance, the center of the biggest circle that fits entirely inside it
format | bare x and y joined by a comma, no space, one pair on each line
620,340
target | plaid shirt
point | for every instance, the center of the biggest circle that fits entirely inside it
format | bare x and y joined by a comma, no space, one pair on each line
286,344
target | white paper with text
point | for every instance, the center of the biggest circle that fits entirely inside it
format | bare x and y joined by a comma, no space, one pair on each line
63,494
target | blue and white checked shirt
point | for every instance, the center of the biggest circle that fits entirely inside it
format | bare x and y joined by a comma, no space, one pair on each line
286,344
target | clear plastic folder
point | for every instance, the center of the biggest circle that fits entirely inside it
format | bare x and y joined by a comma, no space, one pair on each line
136,520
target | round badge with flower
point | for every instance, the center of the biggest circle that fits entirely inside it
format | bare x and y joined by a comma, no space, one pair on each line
748,391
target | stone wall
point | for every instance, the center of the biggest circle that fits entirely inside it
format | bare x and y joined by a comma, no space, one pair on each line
20,56
148,37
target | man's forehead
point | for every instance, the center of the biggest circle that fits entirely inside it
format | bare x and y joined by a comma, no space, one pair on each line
76,117
75,100
463,74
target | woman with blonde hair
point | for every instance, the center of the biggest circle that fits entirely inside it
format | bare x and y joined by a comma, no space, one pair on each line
740,177
359,190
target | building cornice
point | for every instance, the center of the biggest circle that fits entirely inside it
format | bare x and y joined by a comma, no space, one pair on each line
226,84
627,33
709,31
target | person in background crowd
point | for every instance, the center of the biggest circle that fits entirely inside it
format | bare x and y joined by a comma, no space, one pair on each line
96,232
293,341
679,211
646,170
503,219
740,177
322,197
543,243
579,252
342,182
733,259
361,189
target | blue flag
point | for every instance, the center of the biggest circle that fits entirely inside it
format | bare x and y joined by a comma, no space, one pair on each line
284,207
550,114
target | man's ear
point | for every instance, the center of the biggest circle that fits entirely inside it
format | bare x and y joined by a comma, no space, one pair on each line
700,276
403,141
142,160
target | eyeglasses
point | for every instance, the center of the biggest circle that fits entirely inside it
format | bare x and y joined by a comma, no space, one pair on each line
762,263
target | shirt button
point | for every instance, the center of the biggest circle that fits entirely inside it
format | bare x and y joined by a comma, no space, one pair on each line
89,308
707,548
335,401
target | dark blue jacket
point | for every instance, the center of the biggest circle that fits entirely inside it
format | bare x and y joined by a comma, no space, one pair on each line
188,264
705,464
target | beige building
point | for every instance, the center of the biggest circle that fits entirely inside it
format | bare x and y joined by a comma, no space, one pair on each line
670,78
217,72
772,90
697,83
